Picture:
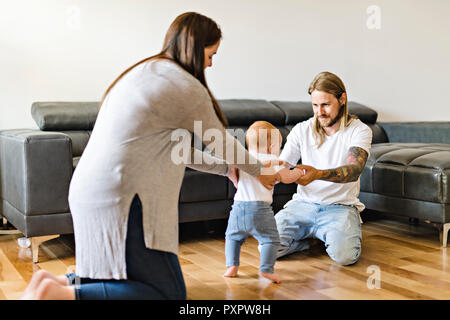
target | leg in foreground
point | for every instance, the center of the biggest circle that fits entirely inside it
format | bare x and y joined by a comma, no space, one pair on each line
268,257
340,229
232,252
45,286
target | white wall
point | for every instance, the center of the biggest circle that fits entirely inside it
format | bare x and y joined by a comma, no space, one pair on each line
70,50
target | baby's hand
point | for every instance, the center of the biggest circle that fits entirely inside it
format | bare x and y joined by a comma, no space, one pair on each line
290,176
234,176
298,172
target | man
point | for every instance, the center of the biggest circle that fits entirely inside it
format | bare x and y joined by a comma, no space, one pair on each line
333,147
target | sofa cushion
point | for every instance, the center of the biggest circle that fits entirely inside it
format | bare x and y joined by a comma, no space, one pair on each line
365,114
200,186
243,112
60,116
410,170
378,134
295,112
79,141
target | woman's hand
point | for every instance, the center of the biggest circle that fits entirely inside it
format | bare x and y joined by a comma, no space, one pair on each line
310,175
234,176
268,176
268,181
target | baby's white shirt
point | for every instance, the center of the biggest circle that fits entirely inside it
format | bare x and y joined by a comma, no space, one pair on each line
249,188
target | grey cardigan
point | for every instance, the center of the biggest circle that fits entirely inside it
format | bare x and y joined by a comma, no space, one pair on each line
129,153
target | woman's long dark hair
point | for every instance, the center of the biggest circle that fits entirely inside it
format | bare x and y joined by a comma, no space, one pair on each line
188,35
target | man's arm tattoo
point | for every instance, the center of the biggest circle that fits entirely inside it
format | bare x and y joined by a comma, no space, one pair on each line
356,160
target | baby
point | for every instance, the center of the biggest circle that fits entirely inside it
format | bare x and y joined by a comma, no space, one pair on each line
252,212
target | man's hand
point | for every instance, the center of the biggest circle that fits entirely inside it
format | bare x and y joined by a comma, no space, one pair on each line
310,174
289,176
234,176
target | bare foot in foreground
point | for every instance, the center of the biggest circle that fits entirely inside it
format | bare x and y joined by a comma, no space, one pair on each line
231,271
37,279
271,276
45,286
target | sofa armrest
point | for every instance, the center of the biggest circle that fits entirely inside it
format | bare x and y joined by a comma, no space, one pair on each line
36,168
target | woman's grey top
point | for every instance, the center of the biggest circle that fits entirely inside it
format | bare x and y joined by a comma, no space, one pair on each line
131,152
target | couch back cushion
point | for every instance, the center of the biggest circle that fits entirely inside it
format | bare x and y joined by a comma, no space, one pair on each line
243,112
77,119
61,116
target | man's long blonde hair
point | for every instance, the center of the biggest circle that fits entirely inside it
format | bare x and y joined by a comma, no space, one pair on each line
332,84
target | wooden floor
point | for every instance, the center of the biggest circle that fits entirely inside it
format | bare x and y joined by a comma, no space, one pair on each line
411,265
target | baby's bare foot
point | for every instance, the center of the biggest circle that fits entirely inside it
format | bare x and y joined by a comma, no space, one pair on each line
231,271
271,276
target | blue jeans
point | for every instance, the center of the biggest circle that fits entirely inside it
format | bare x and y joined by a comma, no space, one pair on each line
151,274
253,218
338,226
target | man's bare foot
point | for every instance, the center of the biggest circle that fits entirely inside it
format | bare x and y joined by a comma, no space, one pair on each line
231,271
271,276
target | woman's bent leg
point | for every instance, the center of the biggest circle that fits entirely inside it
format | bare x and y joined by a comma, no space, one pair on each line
117,290
158,269
151,274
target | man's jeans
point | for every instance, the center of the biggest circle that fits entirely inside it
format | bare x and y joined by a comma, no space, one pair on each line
252,218
338,226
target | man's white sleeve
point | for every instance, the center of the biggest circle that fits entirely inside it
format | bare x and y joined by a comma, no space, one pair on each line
362,138
291,152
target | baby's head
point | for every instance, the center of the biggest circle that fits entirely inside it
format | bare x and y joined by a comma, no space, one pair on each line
263,137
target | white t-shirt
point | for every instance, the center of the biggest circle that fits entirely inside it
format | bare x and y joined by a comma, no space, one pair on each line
249,187
332,154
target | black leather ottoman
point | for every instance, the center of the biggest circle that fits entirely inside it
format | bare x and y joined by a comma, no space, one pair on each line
410,179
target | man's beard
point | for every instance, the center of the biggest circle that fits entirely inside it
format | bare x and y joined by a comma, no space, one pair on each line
335,119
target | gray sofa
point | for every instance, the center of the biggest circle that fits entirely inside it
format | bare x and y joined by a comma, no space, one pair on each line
406,174
410,174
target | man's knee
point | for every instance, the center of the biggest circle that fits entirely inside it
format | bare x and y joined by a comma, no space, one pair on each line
349,258
345,254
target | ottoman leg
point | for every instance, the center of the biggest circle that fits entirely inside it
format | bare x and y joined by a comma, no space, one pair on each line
36,241
445,229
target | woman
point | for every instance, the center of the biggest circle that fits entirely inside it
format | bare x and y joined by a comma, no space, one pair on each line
124,192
